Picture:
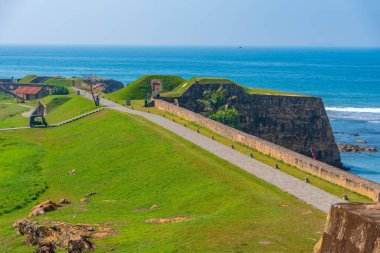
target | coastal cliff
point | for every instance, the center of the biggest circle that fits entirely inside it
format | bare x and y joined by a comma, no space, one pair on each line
296,122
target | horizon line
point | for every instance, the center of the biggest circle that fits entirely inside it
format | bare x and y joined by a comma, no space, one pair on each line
189,46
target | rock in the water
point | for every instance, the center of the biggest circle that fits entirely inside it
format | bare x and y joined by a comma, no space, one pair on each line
351,227
355,134
361,141
104,85
355,148
44,207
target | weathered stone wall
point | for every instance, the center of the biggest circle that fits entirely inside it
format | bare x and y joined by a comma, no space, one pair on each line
351,228
315,167
299,123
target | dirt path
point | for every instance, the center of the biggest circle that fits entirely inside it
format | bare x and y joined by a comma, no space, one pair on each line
28,113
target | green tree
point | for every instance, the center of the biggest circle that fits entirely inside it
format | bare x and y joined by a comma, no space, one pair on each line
59,91
229,117
214,100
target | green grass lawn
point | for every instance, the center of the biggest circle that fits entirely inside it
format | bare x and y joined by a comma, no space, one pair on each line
132,163
60,81
63,107
10,112
291,170
26,79
20,177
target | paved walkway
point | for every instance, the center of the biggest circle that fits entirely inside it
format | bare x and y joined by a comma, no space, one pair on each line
303,191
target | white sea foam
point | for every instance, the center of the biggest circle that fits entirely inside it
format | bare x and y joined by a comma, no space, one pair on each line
353,109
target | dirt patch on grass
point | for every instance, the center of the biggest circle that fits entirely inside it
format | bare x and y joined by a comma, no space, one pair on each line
167,220
40,209
61,235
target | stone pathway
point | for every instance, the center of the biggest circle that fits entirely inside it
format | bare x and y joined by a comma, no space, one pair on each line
301,190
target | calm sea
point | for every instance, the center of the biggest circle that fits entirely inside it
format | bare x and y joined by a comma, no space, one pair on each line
348,80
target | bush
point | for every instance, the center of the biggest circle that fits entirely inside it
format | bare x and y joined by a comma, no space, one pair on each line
59,91
229,117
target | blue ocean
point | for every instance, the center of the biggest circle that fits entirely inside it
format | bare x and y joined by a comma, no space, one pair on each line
348,80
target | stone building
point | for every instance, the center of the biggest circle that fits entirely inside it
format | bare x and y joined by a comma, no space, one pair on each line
30,92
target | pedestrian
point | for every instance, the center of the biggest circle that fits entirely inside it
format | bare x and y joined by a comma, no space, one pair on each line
157,93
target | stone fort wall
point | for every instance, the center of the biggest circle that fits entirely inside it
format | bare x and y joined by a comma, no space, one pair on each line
305,163
296,122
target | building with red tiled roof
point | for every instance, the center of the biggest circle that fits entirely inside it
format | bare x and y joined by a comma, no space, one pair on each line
29,92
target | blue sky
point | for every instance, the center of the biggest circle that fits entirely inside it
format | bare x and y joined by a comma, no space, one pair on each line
340,23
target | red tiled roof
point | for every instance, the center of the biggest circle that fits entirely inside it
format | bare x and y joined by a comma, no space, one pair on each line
27,90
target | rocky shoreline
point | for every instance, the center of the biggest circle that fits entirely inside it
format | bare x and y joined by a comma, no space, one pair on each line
350,148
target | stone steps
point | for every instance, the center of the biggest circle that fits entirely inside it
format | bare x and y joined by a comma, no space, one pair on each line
76,118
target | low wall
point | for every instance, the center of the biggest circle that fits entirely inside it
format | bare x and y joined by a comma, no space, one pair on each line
320,169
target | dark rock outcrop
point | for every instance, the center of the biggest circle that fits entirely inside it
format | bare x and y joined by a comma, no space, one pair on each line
351,228
299,123
349,148
104,85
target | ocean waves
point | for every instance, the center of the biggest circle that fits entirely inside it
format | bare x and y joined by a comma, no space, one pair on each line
370,115
353,109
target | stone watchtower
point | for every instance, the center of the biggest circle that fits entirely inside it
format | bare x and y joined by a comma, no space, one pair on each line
156,84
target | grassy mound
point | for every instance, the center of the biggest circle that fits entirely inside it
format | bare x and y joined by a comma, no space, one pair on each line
180,89
58,81
63,107
26,79
133,164
139,88
20,173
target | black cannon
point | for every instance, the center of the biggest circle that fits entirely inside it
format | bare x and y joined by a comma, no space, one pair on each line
37,120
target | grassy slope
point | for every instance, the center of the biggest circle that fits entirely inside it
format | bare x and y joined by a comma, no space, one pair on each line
270,92
61,82
139,88
26,79
180,89
20,173
10,112
291,170
62,107
118,157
